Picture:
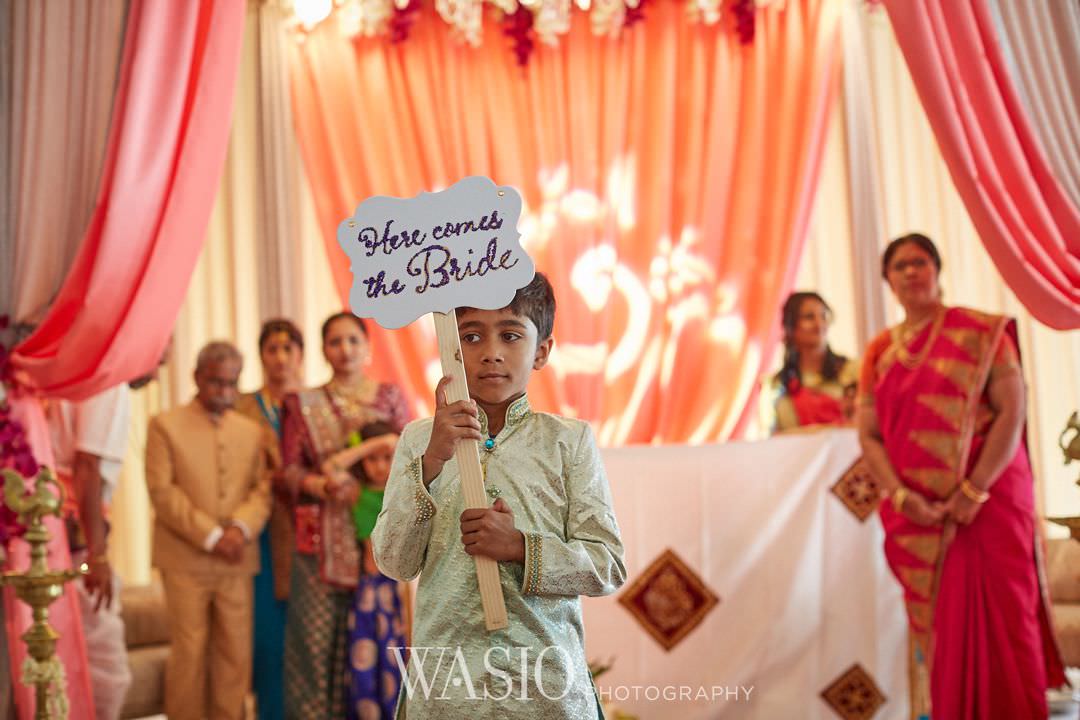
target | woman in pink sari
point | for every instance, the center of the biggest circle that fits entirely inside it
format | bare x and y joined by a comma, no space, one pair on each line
941,421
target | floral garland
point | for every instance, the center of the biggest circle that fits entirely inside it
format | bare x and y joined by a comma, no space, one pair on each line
50,672
523,21
15,451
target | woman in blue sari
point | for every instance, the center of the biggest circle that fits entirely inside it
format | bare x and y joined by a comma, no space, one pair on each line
281,349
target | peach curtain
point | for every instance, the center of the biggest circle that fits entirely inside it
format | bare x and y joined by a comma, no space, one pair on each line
667,175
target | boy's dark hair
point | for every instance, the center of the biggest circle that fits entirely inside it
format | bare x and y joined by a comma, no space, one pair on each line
536,301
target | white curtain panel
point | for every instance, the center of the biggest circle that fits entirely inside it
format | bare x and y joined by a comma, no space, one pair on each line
60,66
867,219
279,176
7,210
1041,38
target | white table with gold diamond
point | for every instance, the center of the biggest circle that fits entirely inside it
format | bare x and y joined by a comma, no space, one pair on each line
754,591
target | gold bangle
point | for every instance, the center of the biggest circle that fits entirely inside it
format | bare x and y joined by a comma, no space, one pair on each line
973,493
899,495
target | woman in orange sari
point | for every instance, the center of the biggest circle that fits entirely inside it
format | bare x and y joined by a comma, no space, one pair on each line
941,421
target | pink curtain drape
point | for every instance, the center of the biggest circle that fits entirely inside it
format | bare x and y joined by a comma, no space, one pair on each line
116,307
1029,225
667,175
167,142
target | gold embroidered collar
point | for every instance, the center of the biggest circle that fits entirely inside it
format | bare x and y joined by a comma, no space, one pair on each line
518,411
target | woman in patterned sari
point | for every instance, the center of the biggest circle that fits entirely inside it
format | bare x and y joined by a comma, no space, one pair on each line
941,420
318,424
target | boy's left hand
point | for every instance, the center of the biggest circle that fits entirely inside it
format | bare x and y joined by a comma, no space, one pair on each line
490,532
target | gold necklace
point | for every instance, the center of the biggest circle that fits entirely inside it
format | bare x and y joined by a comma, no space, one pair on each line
353,400
904,333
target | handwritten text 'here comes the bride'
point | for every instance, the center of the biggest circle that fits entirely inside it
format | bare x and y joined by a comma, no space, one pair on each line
434,264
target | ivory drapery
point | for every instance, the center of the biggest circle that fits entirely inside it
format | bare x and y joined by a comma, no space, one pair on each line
59,84
1042,39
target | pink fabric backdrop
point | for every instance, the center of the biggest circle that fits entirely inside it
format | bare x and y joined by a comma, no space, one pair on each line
170,127
116,308
1029,225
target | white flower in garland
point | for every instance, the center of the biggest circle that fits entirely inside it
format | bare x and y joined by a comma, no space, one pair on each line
465,16
507,6
608,17
706,11
365,17
551,18
50,673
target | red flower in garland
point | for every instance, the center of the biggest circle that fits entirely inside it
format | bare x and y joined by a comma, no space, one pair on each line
518,27
14,450
634,14
745,19
401,21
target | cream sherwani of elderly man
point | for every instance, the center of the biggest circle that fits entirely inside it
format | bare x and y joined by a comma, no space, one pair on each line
205,472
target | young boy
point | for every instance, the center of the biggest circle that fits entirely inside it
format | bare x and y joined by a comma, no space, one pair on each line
551,528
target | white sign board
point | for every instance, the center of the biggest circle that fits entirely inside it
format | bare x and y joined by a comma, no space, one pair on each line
434,252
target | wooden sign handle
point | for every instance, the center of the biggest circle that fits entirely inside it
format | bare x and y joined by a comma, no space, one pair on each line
468,457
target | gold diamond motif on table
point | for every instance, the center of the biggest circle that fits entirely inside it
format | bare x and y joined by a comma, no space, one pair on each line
669,599
858,490
854,695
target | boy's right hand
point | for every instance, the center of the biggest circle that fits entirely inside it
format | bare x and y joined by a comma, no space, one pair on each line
453,422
